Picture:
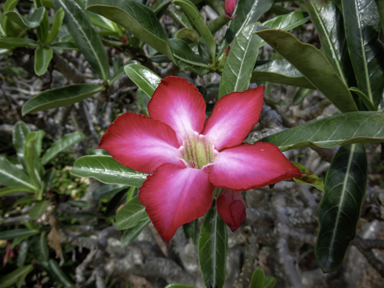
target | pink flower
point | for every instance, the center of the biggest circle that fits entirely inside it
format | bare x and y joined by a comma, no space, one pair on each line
187,156
229,7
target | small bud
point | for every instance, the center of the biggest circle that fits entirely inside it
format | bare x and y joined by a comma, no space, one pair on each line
231,208
223,58
229,7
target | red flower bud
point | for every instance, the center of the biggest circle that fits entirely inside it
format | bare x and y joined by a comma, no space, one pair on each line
231,208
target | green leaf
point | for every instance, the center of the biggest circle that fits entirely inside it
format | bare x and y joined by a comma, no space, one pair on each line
56,26
313,64
286,22
56,272
38,209
341,129
78,203
188,33
195,18
107,170
178,286
130,214
270,282
16,276
26,23
15,233
143,100
258,278
143,77
12,176
48,178
107,191
364,98
328,21
191,230
43,29
300,95
137,19
19,135
18,240
280,71
85,37
32,153
101,21
10,5
212,246
362,30
58,46
241,59
22,255
380,7
61,145
60,97
180,17
186,58
43,57
308,177
339,209
15,189
39,248
131,234
217,23
12,43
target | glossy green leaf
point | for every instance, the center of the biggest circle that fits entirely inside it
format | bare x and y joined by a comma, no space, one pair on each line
26,23
180,17
131,234
60,97
56,272
308,177
364,98
280,71
286,22
43,29
195,18
178,286
328,21
258,278
362,30
107,170
85,37
130,214
137,19
101,21
31,154
15,233
143,100
19,135
212,246
10,5
12,176
58,46
61,145
12,43
39,248
22,255
107,191
241,59
340,129
270,282
339,209
300,95
313,64
159,7
15,189
43,57
186,58
143,77
38,209
56,26
188,33
16,276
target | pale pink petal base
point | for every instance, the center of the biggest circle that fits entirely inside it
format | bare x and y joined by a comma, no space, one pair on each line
233,117
231,208
250,166
141,143
179,104
173,196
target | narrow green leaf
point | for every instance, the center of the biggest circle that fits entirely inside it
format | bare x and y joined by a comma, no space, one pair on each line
56,26
178,286
195,18
328,21
22,255
61,145
39,248
61,97
15,189
362,30
48,178
258,278
300,95
26,23
18,240
116,76
78,203
57,273
280,71
85,37
364,98
241,59
137,19
15,233
312,63
101,21
10,5
12,43
107,170
270,282
213,245
143,100
43,29
12,176
58,46
19,135
191,230
43,57
339,209
38,209
107,191
32,153
341,129
308,177
131,234
130,214
188,33
15,276
217,23
143,77
180,17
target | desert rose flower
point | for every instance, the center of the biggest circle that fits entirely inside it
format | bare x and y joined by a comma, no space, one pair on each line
187,155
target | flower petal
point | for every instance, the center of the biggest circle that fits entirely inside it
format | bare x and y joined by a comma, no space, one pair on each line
141,143
233,117
173,196
250,166
231,208
179,104
229,7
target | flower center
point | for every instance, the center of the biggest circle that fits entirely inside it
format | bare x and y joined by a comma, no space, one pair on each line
198,151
